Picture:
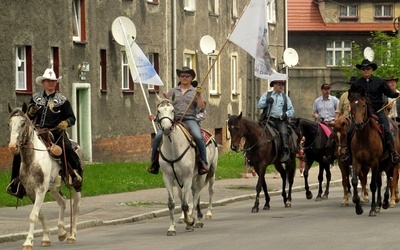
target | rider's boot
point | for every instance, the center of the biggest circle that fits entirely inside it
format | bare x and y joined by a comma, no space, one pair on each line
15,188
394,156
346,158
155,165
202,167
285,155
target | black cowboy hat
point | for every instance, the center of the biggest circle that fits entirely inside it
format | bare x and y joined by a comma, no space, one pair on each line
391,78
367,63
186,70
271,84
352,80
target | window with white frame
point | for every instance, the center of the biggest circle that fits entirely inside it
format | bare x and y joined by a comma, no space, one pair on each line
213,77
234,74
188,60
383,11
234,9
189,5
152,1
348,10
78,19
151,58
271,11
338,52
213,7
23,69
127,82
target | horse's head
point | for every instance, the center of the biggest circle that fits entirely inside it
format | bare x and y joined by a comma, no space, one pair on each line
359,108
166,114
236,130
17,124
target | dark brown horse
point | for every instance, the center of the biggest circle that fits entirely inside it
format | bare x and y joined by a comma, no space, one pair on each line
262,151
368,154
314,149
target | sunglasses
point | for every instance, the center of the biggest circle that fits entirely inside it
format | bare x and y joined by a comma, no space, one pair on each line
366,68
185,76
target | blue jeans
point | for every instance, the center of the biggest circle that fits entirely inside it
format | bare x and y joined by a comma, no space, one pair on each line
194,128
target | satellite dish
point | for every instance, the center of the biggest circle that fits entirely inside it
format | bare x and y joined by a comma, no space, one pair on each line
369,53
207,44
116,29
290,57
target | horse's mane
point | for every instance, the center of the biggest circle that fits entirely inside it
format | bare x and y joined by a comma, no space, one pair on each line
17,111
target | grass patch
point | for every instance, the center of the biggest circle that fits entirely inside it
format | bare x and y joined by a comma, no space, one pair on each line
110,178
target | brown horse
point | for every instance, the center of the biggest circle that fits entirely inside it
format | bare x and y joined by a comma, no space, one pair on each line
262,151
368,153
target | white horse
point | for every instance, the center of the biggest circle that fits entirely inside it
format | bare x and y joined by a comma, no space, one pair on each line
178,164
39,173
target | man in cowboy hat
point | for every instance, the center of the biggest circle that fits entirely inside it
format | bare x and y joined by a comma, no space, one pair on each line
184,93
50,109
393,103
343,109
278,108
375,88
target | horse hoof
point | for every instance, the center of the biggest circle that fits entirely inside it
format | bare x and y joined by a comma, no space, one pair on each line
171,233
359,210
345,204
199,225
372,213
288,204
385,205
377,209
254,210
266,207
325,197
180,221
392,205
189,228
71,240
62,237
309,195
319,198
208,217
45,243
27,247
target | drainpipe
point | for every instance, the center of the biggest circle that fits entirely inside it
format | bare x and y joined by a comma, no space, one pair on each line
286,45
173,41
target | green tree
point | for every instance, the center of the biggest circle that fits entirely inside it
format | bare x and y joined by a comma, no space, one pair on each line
386,47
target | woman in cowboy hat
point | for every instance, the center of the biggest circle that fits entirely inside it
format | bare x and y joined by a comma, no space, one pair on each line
184,93
375,88
50,109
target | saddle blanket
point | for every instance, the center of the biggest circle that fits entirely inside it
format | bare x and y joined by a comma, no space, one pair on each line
326,129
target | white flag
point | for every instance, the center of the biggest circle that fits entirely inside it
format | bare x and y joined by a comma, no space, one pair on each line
145,72
251,34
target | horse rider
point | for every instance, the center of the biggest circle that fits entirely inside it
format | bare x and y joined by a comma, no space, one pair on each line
375,88
50,109
394,104
184,93
277,107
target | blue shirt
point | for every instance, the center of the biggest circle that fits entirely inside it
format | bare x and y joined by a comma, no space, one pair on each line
325,108
277,106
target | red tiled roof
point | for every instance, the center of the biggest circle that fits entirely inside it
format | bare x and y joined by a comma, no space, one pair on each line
304,15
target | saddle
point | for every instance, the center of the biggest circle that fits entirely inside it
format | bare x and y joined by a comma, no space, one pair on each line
48,140
207,136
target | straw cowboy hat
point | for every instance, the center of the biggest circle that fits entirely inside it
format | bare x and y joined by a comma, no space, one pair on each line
49,75
271,84
367,63
186,70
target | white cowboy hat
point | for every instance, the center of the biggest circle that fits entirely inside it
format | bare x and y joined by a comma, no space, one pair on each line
48,74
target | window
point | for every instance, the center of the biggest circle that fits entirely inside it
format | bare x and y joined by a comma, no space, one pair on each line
213,77
189,5
234,9
387,57
383,11
154,60
336,51
234,74
213,7
348,11
23,69
103,70
78,20
271,11
152,1
127,82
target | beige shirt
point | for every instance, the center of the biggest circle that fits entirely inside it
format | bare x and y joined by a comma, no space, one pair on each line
343,109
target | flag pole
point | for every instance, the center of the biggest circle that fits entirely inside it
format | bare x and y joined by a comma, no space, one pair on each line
132,61
216,59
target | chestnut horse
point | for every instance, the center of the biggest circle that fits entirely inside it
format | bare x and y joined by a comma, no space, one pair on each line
369,154
262,151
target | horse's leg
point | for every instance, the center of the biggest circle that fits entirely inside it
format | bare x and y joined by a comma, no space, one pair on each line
373,187
189,220
378,203
46,232
345,183
75,212
309,194
61,201
265,189
171,205
282,172
261,174
364,179
388,191
33,217
291,170
394,187
320,179
210,196
354,183
196,211
328,180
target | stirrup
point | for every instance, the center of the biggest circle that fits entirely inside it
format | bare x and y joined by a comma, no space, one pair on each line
394,157
77,181
154,167
18,193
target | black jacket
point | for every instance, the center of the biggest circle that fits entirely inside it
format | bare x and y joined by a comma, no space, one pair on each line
375,88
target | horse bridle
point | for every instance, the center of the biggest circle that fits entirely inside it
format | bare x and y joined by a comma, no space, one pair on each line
165,117
364,121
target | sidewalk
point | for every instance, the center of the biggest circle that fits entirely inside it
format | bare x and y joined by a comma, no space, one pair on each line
144,204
